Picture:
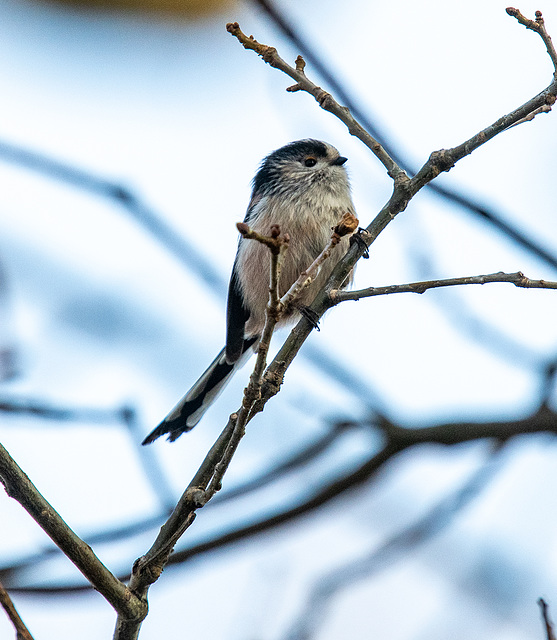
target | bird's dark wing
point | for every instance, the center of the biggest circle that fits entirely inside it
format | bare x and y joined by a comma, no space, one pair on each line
237,313
236,317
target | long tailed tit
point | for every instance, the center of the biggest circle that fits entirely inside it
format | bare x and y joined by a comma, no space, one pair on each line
304,188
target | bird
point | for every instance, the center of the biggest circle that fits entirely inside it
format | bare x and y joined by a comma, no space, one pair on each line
304,188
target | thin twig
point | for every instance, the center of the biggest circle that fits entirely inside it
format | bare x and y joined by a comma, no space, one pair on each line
517,278
325,99
21,630
277,245
545,108
347,225
252,393
207,481
537,25
547,622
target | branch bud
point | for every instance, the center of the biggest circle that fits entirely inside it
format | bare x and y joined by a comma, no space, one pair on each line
243,228
347,225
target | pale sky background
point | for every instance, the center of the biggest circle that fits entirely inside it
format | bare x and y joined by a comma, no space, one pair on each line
101,315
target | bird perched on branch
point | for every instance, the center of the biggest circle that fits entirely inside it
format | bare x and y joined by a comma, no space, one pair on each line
302,187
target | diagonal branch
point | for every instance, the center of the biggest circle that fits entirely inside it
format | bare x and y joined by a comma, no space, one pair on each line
278,245
325,99
19,487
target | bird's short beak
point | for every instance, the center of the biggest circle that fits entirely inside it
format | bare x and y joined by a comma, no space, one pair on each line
338,162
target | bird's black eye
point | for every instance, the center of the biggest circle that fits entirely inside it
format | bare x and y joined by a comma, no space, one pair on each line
310,162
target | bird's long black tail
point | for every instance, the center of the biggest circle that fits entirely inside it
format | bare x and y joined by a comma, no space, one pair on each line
189,411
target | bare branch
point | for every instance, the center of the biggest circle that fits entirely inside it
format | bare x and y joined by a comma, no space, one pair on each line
518,279
544,420
347,226
325,100
547,622
397,438
19,487
537,25
148,568
22,632
252,393
207,481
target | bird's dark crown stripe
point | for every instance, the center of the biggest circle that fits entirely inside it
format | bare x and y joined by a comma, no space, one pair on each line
268,174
